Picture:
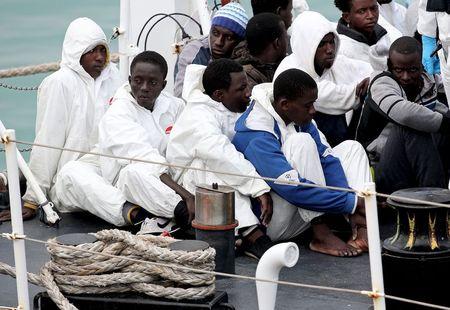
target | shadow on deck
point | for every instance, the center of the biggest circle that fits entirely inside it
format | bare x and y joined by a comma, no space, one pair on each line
312,268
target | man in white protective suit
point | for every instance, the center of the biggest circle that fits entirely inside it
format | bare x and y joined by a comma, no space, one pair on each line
342,82
434,24
216,97
136,126
70,104
278,136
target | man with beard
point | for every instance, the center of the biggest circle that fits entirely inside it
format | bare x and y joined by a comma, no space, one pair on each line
341,81
403,126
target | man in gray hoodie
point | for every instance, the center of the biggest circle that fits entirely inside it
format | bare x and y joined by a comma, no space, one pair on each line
403,126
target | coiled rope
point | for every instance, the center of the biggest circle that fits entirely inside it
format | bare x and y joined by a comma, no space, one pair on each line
121,262
35,69
5,269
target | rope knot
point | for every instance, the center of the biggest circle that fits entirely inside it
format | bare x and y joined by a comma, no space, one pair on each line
372,294
364,193
13,236
5,139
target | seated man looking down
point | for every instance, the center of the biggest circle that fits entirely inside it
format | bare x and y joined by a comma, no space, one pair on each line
266,47
70,104
403,126
341,81
216,97
277,135
137,125
227,30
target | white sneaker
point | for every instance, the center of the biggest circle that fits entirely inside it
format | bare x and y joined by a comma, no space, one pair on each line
157,225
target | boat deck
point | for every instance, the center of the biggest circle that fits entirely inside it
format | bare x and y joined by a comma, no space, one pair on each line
312,268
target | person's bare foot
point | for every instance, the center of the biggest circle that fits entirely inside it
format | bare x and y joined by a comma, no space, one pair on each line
27,214
325,242
360,241
359,232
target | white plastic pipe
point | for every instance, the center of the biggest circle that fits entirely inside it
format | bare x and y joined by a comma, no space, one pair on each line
201,6
373,233
51,216
269,266
16,220
124,39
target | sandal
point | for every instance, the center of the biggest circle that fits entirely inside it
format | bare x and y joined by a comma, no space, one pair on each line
29,212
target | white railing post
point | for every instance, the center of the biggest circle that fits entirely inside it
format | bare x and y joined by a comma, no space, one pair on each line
124,39
16,220
373,234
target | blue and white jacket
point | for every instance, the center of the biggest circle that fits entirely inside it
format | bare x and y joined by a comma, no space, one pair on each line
260,133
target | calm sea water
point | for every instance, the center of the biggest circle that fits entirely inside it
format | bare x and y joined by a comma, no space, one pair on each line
31,32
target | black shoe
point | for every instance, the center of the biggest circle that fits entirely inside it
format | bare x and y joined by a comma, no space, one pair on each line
257,248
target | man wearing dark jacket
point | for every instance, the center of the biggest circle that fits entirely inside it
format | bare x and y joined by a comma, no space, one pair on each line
266,46
403,126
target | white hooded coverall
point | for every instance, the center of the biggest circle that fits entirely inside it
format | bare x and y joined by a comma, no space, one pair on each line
395,14
202,138
337,85
101,185
70,104
429,22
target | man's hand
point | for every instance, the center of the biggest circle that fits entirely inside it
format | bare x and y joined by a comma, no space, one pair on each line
361,88
265,202
190,203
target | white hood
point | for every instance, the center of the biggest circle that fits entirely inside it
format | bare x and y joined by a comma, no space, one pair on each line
193,86
193,90
308,29
81,34
263,94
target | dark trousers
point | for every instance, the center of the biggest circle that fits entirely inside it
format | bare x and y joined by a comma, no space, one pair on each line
413,159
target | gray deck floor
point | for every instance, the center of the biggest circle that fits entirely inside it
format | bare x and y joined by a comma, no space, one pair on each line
312,268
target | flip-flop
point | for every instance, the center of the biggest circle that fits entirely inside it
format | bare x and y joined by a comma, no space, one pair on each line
29,212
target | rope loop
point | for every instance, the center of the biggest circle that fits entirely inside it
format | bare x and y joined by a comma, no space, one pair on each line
5,139
13,236
372,294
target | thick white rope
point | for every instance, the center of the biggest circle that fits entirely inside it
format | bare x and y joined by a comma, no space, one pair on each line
171,165
41,68
10,271
102,267
35,69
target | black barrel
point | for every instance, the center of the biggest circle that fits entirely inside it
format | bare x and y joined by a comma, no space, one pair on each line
416,259
215,222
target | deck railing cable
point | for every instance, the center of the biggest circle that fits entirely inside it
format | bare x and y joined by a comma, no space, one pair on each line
178,166
366,293
367,193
